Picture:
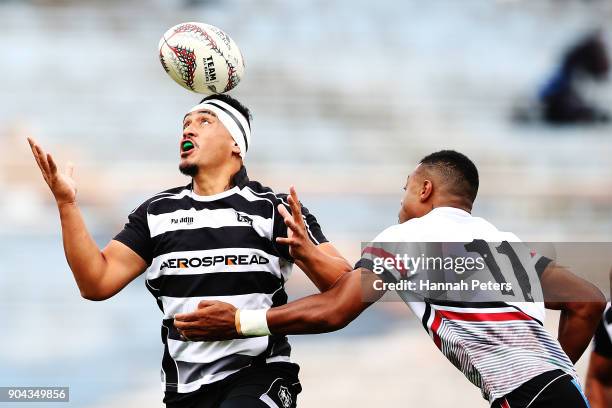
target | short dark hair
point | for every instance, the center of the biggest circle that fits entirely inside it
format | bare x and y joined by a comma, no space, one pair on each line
234,103
456,169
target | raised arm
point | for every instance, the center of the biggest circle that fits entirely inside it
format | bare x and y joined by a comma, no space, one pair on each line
98,274
322,263
581,305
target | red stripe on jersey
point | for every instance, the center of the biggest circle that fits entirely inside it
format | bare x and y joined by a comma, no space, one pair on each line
484,317
378,252
381,253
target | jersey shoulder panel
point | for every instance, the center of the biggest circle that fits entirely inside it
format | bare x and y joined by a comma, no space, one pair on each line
404,232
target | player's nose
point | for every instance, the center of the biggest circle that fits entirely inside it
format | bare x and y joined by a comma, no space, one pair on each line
188,133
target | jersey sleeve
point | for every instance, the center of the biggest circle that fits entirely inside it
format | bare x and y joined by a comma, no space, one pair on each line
377,247
313,228
602,340
540,263
135,234
280,229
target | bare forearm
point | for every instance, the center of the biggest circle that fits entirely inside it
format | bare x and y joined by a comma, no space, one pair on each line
308,315
324,312
99,274
576,328
581,304
82,253
322,269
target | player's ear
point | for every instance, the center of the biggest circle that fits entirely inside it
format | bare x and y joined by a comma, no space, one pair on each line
236,148
426,190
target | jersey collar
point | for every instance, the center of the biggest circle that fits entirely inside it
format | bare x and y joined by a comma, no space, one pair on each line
239,180
451,210
213,197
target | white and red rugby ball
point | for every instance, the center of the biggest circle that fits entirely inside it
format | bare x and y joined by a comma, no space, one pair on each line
201,57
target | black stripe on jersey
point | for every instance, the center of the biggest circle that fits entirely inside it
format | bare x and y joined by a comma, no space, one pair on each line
534,319
200,239
368,264
280,298
602,341
278,346
166,193
364,263
426,315
191,372
237,202
458,304
305,214
215,284
168,365
173,333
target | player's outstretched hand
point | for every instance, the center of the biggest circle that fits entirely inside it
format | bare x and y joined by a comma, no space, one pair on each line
300,246
62,184
213,320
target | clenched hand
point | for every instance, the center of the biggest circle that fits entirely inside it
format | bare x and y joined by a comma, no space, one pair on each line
212,320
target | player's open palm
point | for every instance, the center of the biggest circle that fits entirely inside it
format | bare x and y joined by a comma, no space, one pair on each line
62,184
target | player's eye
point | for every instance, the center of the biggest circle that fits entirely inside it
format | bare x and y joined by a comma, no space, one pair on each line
205,121
185,125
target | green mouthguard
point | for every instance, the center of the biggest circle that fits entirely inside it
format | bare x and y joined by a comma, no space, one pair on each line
187,145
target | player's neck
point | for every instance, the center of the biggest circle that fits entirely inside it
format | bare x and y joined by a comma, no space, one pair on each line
454,203
207,183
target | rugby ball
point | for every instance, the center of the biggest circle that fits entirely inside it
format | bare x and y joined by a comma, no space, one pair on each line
201,58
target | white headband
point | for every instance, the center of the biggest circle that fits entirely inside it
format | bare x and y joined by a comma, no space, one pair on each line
234,121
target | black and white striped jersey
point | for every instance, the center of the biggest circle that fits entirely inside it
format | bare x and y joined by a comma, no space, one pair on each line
603,334
220,247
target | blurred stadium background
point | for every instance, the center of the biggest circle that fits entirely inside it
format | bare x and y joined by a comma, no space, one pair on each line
346,97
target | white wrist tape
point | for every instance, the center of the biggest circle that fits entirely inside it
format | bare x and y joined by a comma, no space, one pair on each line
254,323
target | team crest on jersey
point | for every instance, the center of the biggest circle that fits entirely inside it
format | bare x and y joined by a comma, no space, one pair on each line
285,396
244,218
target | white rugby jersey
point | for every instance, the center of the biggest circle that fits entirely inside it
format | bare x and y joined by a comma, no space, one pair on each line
497,345
219,247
